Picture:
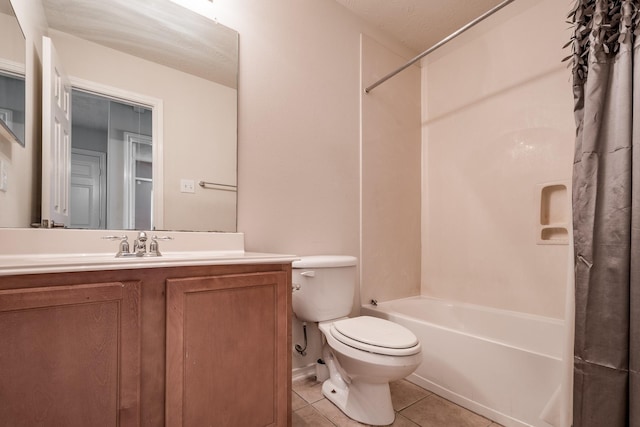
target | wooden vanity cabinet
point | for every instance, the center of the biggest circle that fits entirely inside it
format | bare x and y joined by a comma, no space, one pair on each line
175,346
70,355
225,350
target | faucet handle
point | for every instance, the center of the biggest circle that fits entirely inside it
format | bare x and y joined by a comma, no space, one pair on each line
154,248
123,248
114,237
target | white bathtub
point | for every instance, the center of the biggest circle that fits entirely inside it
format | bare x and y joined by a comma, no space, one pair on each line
501,364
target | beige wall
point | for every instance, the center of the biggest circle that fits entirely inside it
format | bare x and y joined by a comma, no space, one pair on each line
299,130
497,121
391,171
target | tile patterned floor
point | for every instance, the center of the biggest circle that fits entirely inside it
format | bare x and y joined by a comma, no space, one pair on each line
414,406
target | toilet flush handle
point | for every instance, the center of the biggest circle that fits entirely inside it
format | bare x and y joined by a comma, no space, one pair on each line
309,273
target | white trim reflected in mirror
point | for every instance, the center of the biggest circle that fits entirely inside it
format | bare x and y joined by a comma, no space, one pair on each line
134,152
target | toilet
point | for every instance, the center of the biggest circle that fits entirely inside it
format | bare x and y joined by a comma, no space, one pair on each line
363,354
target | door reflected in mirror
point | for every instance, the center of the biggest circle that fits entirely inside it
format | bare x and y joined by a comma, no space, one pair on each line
111,163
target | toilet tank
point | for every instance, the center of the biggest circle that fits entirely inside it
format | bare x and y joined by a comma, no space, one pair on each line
323,287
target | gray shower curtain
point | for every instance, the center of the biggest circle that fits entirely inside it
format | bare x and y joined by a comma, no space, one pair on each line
606,213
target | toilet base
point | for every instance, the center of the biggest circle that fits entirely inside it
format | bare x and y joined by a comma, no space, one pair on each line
364,402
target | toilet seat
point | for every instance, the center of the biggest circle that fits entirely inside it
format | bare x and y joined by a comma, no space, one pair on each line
375,335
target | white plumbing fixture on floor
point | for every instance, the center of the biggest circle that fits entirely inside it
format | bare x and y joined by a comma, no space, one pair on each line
363,353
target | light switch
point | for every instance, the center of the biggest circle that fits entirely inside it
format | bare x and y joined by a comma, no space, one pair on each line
4,175
187,186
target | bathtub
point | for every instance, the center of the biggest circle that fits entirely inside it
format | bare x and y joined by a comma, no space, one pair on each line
501,364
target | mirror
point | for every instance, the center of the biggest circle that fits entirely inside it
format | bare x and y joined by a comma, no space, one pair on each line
12,72
185,66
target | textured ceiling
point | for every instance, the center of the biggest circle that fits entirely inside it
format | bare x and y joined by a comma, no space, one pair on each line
419,24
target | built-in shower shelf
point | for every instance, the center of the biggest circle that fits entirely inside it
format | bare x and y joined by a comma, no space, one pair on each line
553,218
554,234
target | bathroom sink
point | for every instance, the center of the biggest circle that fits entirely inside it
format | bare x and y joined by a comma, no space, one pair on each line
51,250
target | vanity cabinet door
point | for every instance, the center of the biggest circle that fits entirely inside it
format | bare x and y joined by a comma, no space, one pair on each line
228,351
70,355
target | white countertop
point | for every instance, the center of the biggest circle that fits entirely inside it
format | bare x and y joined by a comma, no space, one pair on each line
27,251
55,263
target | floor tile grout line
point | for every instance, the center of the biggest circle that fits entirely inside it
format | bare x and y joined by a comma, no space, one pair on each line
411,404
308,386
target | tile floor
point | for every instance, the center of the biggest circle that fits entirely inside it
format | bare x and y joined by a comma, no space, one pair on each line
414,407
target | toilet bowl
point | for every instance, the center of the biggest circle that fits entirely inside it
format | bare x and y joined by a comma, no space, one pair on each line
359,372
363,354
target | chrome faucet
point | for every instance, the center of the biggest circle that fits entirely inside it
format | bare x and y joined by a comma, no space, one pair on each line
139,248
140,244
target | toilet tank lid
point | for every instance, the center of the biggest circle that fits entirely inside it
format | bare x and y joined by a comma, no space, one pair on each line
325,261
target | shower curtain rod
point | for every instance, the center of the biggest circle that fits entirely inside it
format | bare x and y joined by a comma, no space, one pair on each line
437,45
